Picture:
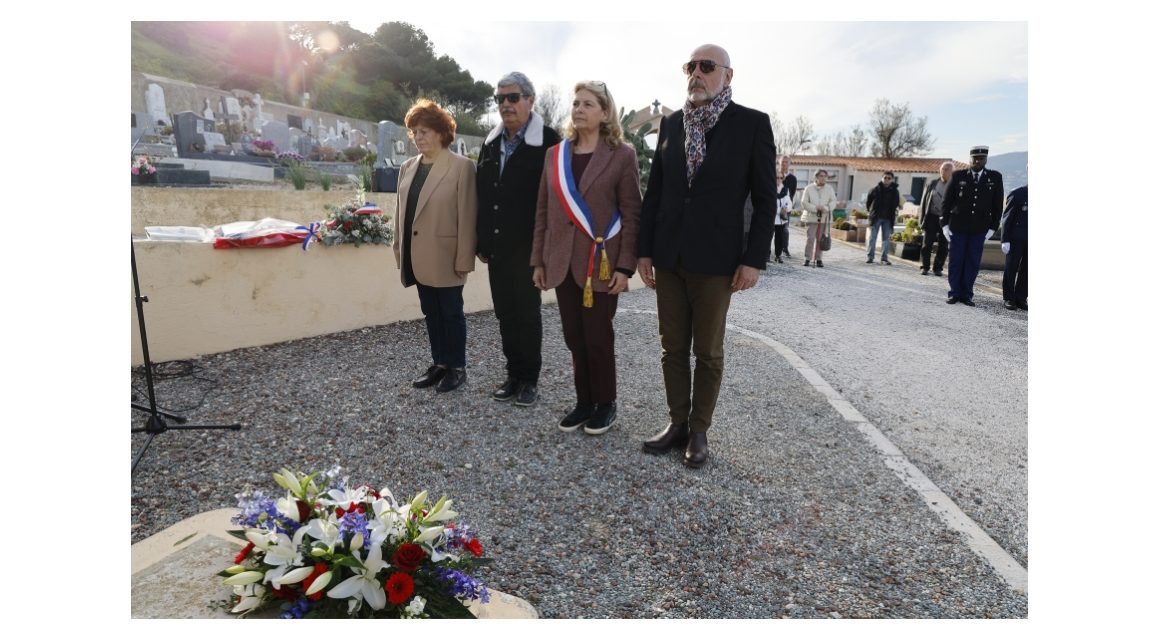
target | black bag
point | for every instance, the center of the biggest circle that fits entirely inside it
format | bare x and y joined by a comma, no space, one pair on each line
825,242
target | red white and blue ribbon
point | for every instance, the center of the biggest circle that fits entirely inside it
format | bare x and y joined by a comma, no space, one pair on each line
312,233
368,209
578,212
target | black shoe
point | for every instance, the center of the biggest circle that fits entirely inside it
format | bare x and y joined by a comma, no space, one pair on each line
779,261
602,419
506,391
925,271
869,261
886,262
787,255
938,272
1021,305
577,418
820,264
806,263
951,300
674,435
452,380
1009,305
528,394
433,375
696,454
968,303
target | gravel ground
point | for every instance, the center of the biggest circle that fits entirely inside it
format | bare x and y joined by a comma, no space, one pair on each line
793,516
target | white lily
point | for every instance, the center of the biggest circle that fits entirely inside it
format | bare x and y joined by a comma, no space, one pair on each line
296,576
245,577
429,533
320,583
288,507
416,505
364,585
251,596
288,480
283,556
389,522
323,531
441,511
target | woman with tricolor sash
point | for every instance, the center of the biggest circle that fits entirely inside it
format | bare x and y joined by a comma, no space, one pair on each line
585,245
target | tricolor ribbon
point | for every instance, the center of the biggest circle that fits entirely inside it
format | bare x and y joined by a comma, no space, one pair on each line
581,216
311,234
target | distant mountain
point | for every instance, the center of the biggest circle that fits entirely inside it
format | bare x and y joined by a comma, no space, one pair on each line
1012,166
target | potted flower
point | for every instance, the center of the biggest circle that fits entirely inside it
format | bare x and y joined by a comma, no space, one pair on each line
264,148
861,220
143,171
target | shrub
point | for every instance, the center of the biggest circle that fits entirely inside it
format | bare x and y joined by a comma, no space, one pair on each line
297,175
325,179
354,154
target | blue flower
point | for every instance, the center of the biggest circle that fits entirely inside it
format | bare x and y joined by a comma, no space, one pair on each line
462,585
254,505
352,523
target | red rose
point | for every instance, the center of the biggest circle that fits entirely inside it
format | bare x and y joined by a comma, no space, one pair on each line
475,547
408,557
303,512
399,588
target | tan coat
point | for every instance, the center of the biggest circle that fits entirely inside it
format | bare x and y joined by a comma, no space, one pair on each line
443,230
814,196
611,180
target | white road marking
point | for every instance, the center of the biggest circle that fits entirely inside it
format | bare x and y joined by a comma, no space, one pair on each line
978,540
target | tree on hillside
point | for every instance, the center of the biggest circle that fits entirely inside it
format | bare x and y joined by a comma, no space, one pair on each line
896,132
794,138
550,105
636,139
852,144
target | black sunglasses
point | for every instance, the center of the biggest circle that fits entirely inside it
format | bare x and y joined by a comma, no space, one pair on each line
509,97
706,66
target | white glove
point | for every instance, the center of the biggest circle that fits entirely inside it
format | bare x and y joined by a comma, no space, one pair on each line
946,232
989,232
1005,247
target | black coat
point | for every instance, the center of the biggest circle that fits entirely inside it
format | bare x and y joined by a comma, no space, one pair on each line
1014,217
930,220
506,221
973,207
788,187
701,227
883,202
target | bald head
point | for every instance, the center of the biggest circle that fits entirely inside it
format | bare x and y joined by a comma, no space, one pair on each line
703,86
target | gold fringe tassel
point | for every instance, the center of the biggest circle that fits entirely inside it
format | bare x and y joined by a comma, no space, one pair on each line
588,299
605,268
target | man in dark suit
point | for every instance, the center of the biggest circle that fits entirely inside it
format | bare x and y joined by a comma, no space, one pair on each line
507,180
709,157
931,220
971,212
1014,246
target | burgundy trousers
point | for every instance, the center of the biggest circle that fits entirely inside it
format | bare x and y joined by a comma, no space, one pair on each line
589,336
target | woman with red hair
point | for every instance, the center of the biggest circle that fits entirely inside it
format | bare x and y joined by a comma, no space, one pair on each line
435,238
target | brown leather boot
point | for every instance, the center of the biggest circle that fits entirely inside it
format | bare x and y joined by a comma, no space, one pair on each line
697,452
674,435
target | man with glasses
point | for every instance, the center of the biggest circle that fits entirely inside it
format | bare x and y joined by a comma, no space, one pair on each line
971,214
692,247
883,203
507,181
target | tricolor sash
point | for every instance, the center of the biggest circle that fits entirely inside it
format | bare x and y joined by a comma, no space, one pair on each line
581,216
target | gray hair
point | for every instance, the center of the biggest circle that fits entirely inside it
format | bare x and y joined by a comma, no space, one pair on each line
515,77
945,164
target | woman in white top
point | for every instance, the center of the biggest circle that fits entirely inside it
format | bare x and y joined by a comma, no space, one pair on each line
816,207
781,222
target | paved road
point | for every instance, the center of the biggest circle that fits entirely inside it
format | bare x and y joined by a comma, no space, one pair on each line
946,383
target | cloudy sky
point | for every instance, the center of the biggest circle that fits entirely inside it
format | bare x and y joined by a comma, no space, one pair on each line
968,78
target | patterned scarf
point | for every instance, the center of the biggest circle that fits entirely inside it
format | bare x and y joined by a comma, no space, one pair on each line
697,122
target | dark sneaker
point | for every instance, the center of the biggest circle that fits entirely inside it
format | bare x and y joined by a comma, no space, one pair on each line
968,303
453,379
506,391
602,419
429,379
869,261
886,262
925,272
577,418
528,394
938,272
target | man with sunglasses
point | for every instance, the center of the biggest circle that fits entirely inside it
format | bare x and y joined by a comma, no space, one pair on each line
507,182
883,203
709,157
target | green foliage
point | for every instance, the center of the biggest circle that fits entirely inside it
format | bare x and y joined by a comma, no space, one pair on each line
354,154
325,179
636,139
367,174
297,175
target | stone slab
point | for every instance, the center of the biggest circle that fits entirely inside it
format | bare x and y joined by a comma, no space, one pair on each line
173,573
231,170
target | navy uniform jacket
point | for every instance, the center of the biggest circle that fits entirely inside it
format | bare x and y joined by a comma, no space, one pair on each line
973,207
701,227
1014,217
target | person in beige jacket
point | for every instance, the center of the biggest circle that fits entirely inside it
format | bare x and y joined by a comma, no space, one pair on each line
589,258
816,208
434,244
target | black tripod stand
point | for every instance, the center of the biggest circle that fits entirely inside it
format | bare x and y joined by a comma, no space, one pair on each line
155,424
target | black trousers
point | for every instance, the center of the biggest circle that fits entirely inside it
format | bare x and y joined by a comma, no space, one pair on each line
780,239
517,302
928,239
591,338
1014,277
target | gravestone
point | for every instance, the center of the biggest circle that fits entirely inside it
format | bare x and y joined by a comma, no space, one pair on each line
461,147
141,126
391,143
308,125
279,133
343,128
207,112
357,138
247,116
155,105
296,136
259,117
214,142
190,129
293,121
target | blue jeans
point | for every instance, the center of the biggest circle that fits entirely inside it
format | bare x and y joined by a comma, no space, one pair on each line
886,227
446,324
965,261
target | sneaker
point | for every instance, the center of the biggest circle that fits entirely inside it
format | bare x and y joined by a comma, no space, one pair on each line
577,418
886,262
602,419
506,391
869,261
528,394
